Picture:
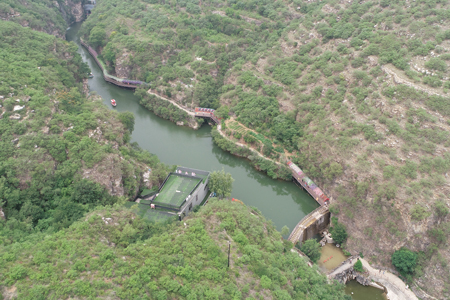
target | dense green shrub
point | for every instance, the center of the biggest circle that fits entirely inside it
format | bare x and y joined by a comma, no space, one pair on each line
404,260
418,212
195,264
338,231
312,249
41,176
358,266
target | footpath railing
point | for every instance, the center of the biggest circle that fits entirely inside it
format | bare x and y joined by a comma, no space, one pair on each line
207,115
302,225
306,188
119,82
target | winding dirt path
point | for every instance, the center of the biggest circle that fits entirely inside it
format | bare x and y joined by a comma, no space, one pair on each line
219,128
173,102
398,79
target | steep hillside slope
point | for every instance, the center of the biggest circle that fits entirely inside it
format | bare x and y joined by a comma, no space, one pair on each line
61,154
355,93
47,16
113,254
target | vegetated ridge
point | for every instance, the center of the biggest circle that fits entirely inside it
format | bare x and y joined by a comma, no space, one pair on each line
47,16
112,254
319,81
61,154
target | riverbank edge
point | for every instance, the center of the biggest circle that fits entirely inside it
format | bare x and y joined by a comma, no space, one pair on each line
275,173
111,79
188,117
259,162
106,76
272,168
395,288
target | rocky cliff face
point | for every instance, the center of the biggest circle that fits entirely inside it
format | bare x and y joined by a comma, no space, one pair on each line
71,10
122,66
75,10
351,274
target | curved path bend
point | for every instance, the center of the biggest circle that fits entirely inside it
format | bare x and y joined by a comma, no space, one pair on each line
311,218
397,289
171,101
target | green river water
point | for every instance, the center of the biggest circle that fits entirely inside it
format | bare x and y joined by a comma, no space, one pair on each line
282,202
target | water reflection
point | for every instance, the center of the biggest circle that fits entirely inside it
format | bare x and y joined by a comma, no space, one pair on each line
360,292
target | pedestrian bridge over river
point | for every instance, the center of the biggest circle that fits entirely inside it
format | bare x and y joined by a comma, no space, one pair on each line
206,113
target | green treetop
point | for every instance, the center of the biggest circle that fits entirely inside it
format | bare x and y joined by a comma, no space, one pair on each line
221,183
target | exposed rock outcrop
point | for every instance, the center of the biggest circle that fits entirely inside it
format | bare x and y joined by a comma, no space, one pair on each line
122,67
71,11
351,274
76,10
85,87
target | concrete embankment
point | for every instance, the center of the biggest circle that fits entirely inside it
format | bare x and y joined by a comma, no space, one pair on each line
395,287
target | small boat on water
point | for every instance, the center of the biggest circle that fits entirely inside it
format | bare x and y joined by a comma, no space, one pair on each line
91,75
113,102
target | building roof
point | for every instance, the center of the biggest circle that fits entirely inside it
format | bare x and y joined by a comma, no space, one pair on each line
176,189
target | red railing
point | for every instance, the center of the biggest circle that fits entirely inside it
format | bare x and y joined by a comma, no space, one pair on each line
206,112
313,190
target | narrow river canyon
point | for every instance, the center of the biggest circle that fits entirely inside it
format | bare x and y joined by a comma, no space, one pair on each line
282,202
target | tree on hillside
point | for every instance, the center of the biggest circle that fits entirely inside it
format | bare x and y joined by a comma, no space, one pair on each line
338,232
405,261
441,209
222,112
221,183
312,249
97,36
285,230
127,119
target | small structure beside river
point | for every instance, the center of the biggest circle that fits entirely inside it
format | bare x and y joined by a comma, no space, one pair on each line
178,195
201,112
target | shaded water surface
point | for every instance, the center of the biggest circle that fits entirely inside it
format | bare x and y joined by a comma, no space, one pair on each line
360,292
331,257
